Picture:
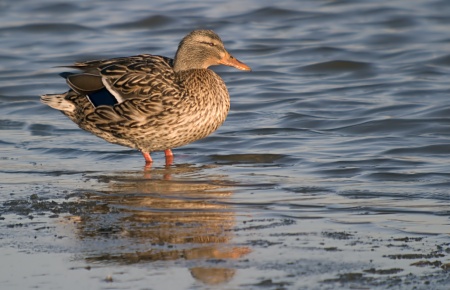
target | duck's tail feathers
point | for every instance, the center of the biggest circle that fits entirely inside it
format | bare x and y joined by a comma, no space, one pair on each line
58,102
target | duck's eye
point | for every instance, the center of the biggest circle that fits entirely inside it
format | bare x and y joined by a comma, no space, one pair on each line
210,43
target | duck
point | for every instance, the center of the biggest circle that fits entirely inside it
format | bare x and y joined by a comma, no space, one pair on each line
151,102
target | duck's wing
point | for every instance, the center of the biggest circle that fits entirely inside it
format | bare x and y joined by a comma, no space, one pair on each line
116,80
123,93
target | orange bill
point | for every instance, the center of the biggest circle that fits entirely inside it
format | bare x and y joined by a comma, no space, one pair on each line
229,60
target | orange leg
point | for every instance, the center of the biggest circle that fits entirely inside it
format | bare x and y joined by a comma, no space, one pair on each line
148,158
169,157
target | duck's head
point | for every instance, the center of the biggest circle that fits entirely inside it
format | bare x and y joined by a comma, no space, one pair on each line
201,49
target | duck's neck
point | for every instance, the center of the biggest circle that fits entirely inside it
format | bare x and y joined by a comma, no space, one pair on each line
190,57
179,66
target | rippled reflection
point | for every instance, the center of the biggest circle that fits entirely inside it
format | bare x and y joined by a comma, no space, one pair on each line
162,216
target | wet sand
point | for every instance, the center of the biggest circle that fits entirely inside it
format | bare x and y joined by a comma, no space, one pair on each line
140,229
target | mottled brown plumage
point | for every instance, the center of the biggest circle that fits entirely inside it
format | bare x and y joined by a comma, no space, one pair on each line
149,102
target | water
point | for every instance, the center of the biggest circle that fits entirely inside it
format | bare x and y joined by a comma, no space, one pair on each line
330,172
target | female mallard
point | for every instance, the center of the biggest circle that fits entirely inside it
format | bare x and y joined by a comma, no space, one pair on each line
150,102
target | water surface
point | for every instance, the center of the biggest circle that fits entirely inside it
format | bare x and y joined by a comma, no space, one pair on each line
330,172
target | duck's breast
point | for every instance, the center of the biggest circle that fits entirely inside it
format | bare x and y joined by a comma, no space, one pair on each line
200,108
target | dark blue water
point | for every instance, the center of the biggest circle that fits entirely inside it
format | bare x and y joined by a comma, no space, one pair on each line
331,169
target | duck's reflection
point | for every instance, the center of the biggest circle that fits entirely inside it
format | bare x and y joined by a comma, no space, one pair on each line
141,219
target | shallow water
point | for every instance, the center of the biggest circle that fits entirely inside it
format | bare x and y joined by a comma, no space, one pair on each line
330,171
